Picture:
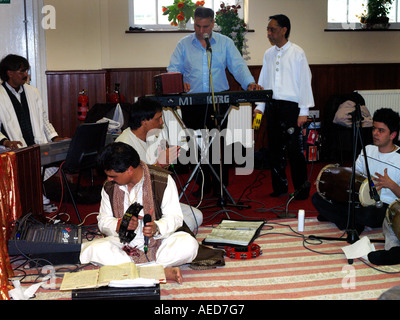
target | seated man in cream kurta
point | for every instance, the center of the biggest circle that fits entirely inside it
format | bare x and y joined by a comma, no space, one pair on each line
23,120
145,135
131,180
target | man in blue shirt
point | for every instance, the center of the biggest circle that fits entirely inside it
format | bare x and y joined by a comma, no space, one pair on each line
190,58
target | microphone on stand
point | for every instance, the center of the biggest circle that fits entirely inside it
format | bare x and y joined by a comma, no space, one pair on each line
286,214
206,37
306,185
374,195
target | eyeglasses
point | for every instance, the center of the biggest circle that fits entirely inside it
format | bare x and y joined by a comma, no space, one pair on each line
23,71
273,29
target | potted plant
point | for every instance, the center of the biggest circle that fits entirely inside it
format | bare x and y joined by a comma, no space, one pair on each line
231,25
181,11
377,11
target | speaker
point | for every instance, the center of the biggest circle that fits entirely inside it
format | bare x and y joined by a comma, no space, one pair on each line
169,83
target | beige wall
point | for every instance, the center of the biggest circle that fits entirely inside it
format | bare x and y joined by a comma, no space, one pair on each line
90,35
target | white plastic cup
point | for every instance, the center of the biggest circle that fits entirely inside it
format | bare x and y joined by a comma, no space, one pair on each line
300,224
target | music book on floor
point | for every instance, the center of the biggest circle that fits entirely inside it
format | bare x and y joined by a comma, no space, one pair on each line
123,275
234,233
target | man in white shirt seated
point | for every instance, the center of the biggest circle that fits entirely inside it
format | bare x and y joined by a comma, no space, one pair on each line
145,135
131,181
384,165
23,119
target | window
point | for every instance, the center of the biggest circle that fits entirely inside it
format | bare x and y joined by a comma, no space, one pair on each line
148,13
346,13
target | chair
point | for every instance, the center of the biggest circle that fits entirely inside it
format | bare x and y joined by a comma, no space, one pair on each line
338,144
82,154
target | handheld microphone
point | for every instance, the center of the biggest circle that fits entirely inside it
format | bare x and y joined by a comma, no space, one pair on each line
207,38
146,218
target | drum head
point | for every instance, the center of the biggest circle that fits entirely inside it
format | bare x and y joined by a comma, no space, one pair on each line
364,196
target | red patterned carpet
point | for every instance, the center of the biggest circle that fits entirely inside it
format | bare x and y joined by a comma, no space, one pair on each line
290,267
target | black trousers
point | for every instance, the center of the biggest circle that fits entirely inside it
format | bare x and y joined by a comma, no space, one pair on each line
285,141
201,117
338,213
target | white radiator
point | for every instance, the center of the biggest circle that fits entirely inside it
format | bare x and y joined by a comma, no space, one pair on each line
377,99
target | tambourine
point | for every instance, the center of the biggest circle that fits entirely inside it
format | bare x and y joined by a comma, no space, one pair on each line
249,252
125,235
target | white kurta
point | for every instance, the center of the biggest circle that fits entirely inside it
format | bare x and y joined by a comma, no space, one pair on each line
286,72
43,130
177,248
147,150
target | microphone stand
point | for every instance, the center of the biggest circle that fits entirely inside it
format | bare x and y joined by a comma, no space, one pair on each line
352,234
221,202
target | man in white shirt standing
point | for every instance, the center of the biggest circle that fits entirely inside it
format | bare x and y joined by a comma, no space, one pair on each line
286,72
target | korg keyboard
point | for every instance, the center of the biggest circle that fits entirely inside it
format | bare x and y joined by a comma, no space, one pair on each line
228,97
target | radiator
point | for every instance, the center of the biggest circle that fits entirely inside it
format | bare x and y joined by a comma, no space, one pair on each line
376,99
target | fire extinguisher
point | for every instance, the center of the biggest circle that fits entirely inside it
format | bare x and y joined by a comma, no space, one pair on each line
83,105
116,96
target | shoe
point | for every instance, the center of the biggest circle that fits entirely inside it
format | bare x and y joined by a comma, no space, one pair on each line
50,208
277,194
303,194
46,201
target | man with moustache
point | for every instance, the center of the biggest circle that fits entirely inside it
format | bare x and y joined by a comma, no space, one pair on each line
190,59
286,72
23,119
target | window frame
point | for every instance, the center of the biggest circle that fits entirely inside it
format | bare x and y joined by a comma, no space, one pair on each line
356,26
169,27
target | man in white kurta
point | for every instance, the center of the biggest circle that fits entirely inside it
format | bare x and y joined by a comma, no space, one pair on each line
286,72
175,249
14,82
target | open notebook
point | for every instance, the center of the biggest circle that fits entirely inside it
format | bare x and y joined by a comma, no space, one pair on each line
234,233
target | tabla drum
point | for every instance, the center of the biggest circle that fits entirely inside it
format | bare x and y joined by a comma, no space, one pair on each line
334,184
393,217
364,196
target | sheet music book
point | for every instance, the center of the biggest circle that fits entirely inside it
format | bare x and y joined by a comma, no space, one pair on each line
122,275
234,233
